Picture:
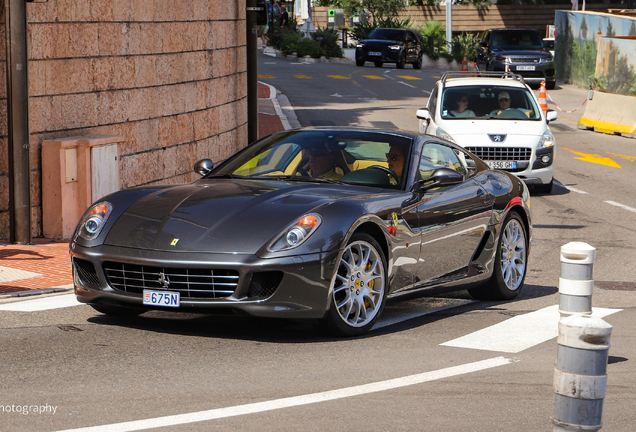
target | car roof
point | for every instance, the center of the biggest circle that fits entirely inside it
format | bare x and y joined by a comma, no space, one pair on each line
458,79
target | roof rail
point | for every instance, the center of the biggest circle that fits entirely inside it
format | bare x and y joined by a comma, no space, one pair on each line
480,74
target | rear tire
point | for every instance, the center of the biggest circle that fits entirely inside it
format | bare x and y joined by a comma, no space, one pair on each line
358,291
401,61
511,262
417,64
359,63
117,311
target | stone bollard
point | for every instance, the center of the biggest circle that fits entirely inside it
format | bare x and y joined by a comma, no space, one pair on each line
576,283
580,375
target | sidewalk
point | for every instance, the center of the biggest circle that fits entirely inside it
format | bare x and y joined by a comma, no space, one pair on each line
44,267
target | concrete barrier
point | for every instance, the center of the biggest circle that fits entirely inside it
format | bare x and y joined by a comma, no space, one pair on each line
611,114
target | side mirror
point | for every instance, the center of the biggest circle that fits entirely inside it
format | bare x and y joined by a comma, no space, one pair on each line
551,115
423,114
470,164
440,177
483,44
203,167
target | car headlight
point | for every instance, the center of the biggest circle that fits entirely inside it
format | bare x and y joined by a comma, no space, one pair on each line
546,140
296,234
502,59
443,134
546,60
359,45
395,47
94,220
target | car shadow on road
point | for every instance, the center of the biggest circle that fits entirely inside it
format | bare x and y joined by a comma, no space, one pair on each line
257,329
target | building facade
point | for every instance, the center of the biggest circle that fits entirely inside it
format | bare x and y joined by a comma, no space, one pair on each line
167,75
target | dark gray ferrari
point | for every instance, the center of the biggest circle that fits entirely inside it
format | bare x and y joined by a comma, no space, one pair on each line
315,223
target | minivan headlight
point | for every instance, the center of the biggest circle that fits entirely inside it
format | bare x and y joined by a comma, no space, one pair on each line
546,140
443,134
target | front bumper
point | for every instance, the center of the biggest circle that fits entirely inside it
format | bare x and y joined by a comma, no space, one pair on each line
387,55
532,170
542,71
303,290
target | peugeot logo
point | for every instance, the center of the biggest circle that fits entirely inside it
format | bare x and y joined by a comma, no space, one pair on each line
497,138
164,280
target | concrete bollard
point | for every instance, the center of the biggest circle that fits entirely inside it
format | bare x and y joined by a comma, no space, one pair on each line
576,283
580,377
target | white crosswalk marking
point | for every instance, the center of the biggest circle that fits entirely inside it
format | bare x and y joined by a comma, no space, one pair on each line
41,304
519,333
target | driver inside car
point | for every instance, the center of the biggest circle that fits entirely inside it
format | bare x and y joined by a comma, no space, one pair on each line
322,162
503,99
395,160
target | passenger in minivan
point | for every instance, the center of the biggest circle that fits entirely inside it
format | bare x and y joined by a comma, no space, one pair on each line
462,110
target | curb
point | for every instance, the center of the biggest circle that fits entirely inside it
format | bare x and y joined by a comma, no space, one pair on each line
283,108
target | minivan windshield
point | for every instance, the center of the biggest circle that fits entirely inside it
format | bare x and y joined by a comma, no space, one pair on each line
489,102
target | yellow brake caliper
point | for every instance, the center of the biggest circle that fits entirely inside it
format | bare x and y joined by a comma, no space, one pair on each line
370,284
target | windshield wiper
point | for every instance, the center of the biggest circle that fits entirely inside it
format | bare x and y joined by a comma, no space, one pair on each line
301,179
226,175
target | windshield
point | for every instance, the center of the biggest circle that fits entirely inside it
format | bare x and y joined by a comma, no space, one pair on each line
387,34
365,158
488,102
517,40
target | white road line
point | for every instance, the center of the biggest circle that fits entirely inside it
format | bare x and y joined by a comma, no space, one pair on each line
621,206
42,304
427,92
294,401
408,85
519,333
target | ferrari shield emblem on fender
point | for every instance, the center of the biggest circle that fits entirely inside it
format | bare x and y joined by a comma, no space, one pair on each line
174,242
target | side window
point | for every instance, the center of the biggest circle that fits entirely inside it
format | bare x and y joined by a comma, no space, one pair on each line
432,103
436,156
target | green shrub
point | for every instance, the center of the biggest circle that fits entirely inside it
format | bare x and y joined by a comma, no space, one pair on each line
467,43
436,30
308,47
361,31
393,22
328,41
289,44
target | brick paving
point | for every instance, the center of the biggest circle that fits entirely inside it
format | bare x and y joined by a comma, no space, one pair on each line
50,259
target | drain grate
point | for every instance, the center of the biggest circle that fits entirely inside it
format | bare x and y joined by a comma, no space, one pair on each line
617,286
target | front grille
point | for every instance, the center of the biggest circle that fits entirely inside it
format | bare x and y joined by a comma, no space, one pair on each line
524,59
501,153
86,272
264,284
190,282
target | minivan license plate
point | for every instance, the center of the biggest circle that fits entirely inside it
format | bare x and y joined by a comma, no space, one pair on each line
161,298
502,164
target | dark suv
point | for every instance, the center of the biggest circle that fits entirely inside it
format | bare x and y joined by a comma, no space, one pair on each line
390,45
522,51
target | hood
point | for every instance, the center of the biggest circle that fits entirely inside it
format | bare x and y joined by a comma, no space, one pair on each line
382,42
220,216
471,132
528,52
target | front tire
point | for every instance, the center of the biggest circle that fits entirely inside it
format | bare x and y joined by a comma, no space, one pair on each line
359,63
511,263
359,288
378,64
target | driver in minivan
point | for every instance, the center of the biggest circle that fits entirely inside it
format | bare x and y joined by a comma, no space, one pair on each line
503,99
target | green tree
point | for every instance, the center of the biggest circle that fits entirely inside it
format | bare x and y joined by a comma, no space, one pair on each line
379,9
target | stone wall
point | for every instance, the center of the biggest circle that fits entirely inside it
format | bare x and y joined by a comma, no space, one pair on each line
168,75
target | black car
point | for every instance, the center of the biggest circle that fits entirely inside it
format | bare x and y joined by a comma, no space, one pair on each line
390,45
522,51
315,223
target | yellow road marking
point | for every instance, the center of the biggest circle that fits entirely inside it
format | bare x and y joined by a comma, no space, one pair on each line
265,76
602,160
409,77
629,158
435,76
338,77
302,76
374,77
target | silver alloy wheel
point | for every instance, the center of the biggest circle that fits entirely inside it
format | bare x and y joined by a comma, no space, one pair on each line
360,284
513,254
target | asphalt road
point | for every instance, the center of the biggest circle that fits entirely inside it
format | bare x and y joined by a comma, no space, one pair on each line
411,374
